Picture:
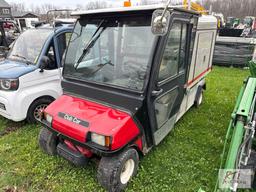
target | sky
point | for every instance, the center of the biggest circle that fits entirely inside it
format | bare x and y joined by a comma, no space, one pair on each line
73,3
65,3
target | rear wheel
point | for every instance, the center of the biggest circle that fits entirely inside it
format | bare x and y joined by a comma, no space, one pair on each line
36,109
114,173
48,141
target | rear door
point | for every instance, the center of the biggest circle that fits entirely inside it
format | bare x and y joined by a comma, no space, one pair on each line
169,88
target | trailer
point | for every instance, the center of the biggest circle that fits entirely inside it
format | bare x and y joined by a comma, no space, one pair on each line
129,75
234,51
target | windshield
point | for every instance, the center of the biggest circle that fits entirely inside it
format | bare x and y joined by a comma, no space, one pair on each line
113,51
28,46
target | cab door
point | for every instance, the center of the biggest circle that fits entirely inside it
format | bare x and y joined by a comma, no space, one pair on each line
171,74
55,51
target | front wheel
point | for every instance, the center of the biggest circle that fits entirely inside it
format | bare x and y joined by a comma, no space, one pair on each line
47,141
114,173
36,109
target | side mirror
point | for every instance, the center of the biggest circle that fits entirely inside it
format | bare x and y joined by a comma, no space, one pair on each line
160,22
44,63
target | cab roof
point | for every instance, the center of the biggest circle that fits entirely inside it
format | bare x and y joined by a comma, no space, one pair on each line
130,9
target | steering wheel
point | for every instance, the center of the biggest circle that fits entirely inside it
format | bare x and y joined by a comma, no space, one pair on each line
52,64
140,74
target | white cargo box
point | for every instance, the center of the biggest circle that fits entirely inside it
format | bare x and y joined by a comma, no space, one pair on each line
201,63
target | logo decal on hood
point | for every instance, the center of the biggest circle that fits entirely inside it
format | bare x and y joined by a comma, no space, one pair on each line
73,119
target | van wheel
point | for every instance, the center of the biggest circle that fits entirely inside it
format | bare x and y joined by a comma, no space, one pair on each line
48,141
199,98
36,109
114,173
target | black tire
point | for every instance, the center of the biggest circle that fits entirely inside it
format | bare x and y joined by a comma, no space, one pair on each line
44,102
251,164
111,168
199,97
48,141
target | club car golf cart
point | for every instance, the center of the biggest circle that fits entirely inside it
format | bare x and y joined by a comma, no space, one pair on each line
30,75
129,76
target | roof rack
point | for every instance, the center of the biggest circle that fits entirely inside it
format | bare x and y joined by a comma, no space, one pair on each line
58,22
195,7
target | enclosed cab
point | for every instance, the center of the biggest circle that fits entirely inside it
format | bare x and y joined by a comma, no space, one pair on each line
125,85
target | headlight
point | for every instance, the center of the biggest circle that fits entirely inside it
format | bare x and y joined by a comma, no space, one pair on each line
9,84
48,118
100,139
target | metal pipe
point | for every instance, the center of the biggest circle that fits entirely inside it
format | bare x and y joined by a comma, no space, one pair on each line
189,4
56,10
165,10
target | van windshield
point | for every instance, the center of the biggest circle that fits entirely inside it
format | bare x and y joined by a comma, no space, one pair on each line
29,44
111,51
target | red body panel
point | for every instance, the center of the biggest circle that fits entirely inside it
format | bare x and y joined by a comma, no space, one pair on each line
254,25
102,120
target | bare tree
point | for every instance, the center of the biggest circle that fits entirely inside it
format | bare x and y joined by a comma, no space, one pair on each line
150,2
80,6
18,7
145,2
46,7
98,4
235,8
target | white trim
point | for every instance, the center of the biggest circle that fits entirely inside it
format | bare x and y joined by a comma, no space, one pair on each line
124,9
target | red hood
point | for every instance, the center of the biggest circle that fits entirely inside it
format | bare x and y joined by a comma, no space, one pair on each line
97,118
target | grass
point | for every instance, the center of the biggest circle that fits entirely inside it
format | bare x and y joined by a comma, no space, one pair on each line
185,161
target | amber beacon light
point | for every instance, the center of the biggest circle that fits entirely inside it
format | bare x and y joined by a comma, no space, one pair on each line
127,3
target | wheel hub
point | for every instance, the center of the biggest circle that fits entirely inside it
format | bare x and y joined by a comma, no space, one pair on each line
127,171
39,111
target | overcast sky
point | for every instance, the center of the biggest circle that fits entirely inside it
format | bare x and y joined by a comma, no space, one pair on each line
65,3
73,3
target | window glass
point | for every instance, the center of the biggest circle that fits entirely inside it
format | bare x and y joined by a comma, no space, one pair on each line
52,57
6,11
170,61
183,47
118,55
173,59
164,106
29,45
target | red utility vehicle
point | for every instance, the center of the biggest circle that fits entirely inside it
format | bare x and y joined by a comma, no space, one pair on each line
129,76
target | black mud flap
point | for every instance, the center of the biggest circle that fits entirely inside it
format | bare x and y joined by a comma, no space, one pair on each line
198,93
72,156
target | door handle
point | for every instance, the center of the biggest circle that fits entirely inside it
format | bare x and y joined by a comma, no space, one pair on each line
156,93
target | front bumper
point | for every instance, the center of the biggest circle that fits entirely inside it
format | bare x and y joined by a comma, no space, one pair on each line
9,106
94,148
74,157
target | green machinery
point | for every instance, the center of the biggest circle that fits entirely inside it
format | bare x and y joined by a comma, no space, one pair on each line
232,22
239,147
240,134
